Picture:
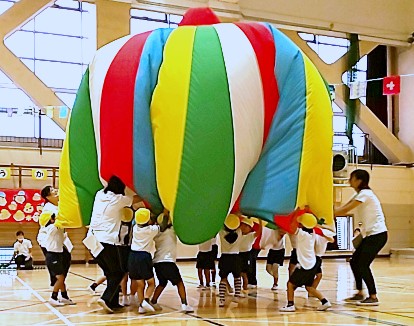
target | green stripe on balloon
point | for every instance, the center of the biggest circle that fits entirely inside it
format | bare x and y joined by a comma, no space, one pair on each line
82,151
204,166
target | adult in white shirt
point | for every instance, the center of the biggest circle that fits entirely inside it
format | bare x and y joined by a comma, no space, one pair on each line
105,224
373,222
23,252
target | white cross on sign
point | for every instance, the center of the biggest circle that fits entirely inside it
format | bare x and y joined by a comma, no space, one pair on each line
390,85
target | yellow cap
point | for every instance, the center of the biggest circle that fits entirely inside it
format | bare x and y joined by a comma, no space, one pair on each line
160,218
232,222
142,216
127,214
308,220
45,217
248,221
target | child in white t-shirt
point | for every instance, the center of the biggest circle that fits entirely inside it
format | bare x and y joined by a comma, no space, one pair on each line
164,264
55,259
205,263
324,236
275,241
230,238
308,264
140,258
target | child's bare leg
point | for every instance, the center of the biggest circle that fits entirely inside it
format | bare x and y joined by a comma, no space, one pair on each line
207,276
269,269
275,273
200,276
150,288
317,280
140,290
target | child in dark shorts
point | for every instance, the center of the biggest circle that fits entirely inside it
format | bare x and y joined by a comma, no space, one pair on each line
309,263
205,263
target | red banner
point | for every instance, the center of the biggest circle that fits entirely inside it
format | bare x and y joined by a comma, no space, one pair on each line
20,205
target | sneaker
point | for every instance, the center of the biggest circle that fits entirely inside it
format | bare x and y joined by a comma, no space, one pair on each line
288,309
324,306
141,310
125,300
55,303
369,302
147,306
104,305
186,308
222,302
274,288
156,306
355,298
67,302
251,286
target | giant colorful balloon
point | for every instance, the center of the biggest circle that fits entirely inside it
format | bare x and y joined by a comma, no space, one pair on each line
197,119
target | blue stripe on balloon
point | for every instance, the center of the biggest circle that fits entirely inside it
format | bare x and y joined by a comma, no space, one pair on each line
272,186
143,144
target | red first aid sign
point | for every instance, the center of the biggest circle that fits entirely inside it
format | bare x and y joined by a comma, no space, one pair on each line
391,85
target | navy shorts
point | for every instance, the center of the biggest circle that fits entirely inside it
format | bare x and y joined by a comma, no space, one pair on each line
229,263
205,260
275,257
244,261
293,257
305,277
167,271
55,263
140,265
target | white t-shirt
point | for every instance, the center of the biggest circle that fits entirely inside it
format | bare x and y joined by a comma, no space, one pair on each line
370,212
54,238
41,237
270,239
320,245
305,249
49,207
206,246
230,248
247,241
165,246
143,238
23,248
106,216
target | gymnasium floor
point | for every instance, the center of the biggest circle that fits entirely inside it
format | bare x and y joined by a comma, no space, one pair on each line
23,300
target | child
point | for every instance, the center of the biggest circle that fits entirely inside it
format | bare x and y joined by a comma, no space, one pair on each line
304,274
248,237
92,288
140,259
214,253
23,252
55,260
276,244
124,248
321,242
205,263
165,266
254,253
293,261
230,237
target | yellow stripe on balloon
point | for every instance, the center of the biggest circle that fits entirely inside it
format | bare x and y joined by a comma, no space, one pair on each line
69,209
315,180
169,111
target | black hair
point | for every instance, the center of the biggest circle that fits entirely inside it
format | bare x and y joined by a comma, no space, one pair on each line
20,232
115,185
231,237
363,176
310,231
45,192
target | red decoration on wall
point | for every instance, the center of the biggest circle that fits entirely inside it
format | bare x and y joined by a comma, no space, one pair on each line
391,85
20,205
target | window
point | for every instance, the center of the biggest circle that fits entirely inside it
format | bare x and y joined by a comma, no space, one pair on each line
57,45
144,21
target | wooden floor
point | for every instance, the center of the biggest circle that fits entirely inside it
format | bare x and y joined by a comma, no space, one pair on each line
23,300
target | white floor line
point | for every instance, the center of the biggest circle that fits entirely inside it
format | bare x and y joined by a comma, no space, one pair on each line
52,309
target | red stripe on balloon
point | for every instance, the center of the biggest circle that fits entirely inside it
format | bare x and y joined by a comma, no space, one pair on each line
117,114
263,45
